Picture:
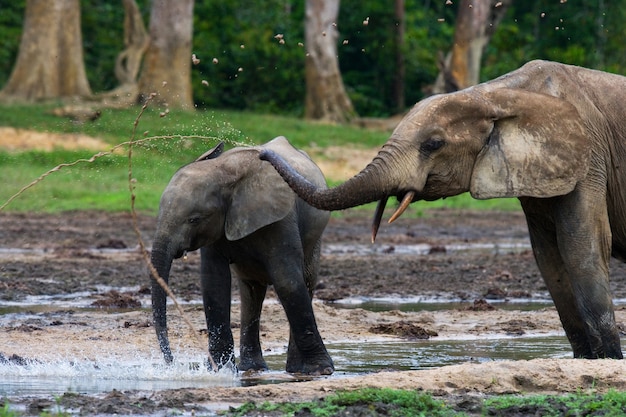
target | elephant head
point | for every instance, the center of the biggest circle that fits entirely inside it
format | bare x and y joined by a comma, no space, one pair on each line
490,141
211,199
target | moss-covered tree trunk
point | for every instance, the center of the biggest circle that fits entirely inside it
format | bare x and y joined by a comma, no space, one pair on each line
326,97
167,63
50,59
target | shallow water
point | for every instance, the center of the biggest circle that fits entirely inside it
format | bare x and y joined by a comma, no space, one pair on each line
329,249
424,248
89,377
430,304
70,374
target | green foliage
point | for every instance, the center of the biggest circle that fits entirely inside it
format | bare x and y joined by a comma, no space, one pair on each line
586,33
11,20
369,401
255,72
5,411
367,60
611,404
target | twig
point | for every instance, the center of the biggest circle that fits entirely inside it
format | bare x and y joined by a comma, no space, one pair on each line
142,245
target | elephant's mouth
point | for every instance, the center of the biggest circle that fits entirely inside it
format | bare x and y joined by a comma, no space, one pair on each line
181,254
407,199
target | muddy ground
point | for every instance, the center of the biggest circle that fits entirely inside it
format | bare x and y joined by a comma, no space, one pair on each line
82,251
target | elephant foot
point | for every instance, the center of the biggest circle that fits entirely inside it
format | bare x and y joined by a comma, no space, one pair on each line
224,366
222,361
606,346
250,365
605,354
311,367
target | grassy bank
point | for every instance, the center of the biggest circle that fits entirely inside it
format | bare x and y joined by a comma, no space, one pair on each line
401,403
404,403
163,144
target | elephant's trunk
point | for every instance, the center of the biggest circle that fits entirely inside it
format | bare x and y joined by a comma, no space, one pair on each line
162,261
375,182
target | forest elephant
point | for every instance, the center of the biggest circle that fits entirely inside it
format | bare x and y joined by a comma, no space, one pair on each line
550,134
239,212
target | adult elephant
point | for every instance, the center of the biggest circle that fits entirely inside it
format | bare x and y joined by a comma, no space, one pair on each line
554,136
239,212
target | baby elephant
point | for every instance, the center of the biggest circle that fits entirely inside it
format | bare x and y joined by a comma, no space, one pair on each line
239,212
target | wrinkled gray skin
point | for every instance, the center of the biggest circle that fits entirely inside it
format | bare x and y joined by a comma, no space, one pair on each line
550,134
239,212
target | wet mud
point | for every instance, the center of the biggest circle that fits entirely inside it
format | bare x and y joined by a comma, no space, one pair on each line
84,252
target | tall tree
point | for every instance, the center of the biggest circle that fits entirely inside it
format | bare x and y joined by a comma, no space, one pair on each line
167,64
476,22
326,97
50,62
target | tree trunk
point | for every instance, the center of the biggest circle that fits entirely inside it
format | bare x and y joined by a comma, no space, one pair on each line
167,64
326,97
475,24
136,42
50,60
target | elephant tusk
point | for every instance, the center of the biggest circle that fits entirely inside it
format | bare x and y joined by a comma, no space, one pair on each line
380,208
408,198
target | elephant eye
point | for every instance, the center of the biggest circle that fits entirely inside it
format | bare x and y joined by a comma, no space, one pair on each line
431,145
193,220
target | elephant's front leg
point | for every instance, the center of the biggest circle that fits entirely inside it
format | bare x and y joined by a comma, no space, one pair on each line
250,355
573,252
216,295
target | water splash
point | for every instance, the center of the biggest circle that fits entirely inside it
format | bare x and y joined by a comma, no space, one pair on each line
60,375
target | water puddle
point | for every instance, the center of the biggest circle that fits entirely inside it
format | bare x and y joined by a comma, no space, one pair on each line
436,304
329,249
423,249
414,304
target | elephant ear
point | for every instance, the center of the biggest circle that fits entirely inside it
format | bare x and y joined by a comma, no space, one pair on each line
261,197
213,153
537,148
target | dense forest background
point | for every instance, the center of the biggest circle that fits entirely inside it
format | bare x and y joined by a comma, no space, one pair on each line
257,72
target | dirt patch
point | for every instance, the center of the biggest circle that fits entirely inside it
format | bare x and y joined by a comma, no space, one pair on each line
340,163
13,139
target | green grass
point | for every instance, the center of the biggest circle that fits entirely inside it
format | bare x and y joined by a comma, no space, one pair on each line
166,143
390,402
611,404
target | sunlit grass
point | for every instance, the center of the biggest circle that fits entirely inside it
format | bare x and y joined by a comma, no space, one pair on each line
168,141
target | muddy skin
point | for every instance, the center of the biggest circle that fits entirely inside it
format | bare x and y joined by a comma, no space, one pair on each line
72,252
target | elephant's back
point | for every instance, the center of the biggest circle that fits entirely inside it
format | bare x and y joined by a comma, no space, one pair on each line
298,159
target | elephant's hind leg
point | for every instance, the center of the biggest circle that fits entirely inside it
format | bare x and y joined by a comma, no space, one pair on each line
306,353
